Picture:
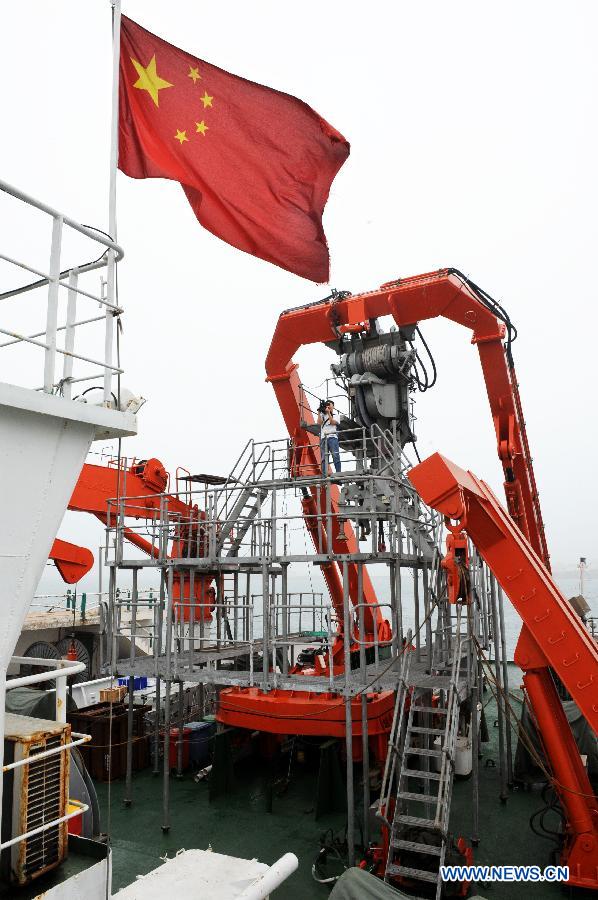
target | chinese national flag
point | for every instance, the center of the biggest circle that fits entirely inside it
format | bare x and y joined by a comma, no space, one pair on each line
256,164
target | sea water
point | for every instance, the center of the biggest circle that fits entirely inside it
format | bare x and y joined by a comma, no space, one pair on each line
566,579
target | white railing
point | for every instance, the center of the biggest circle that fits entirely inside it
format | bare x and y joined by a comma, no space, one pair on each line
59,670
58,379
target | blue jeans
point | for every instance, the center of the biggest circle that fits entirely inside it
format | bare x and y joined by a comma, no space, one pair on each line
329,444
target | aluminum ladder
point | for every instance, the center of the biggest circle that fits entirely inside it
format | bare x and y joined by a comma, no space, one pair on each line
423,730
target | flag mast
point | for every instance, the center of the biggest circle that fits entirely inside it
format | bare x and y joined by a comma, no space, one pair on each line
114,123
111,273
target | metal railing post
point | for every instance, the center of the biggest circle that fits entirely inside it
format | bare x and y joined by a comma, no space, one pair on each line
52,311
285,622
69,337
265,627
61,698
109,328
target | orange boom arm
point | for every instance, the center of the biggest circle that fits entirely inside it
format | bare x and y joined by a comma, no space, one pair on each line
554,637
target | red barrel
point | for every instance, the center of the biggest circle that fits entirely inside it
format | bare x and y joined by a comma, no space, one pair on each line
175,736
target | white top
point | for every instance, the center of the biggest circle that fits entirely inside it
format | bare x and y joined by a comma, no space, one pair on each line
326,427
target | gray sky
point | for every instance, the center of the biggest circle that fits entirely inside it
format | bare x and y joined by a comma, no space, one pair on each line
474,144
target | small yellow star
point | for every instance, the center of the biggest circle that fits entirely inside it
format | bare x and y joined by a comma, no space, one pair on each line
194,74
181,136
201,127
149,80
206,100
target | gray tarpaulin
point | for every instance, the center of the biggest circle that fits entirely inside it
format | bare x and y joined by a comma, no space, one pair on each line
25,701
356,884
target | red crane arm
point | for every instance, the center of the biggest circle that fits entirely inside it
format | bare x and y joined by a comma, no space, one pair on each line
448,295
306,326
554,637
139,487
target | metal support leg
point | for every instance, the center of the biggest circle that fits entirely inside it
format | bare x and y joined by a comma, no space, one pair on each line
157,710
475,762
500,702
364,709
366,769
505,680
166,767
350,787
266,628
128,798
393,609
348,720
114,616
179,752
416,609
166,770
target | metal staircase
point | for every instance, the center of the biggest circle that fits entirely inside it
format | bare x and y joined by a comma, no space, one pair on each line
240,519
238,502
418,837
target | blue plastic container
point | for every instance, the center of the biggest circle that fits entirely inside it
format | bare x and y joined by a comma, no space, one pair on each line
139,684
200,743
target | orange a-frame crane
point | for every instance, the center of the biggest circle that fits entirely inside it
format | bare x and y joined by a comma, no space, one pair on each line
445,293
554,637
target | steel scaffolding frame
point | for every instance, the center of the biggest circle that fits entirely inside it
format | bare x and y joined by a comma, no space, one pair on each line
246,541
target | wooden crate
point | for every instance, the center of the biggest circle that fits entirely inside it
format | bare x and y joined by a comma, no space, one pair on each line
113,695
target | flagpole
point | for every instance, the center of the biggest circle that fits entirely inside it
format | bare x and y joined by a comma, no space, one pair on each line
111,273
114,124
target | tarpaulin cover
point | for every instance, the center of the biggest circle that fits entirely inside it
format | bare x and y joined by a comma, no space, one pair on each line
356,884
25,701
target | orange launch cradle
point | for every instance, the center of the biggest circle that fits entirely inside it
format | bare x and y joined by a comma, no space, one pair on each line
307,713
554,637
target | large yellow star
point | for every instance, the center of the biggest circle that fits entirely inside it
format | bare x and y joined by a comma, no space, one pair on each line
149,80
194,74
206,100
181,136
201,127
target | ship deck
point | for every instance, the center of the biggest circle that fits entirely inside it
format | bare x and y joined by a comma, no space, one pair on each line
240,824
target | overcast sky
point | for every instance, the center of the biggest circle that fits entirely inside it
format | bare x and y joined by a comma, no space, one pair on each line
473,144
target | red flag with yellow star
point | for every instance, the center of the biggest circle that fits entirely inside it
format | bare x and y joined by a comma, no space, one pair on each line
256,164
